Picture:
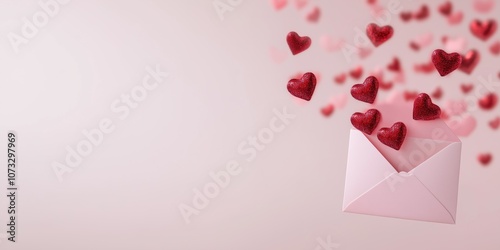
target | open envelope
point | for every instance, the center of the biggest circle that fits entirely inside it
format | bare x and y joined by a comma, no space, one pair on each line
419,182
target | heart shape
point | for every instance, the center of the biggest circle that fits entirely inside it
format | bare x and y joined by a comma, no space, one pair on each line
424,109
394,65
445,8
378,35
483,6
424,67
422,13
446,63
437,93
488,102
327,110
495,48
393,136
366,122
356,72
297,43
454,44
313,15
484,158
495,123
303,88
455,18
278,4
340,79
466,88
367,91
483,29
469,61
405,16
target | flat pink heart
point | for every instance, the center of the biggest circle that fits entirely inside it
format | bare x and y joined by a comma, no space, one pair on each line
495,48
455,18
278,4
446,63
483,6
313,15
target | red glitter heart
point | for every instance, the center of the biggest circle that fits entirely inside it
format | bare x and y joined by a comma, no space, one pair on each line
469,61
438,93
483,29
327,110
366,122
303,88
410,95
378,35
446,63
367,91
495,48
424,109
297,43
422,14
488,101
405,16
393,136
445,8
484,159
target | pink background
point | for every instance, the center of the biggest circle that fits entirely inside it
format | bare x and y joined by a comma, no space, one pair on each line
223,87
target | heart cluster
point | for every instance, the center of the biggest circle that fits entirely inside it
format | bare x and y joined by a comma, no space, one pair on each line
423,109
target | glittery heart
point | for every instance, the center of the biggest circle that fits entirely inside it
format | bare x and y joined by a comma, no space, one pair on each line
303,88
378,35
393,136
469,61
424,109
367,91
466,88
297,43
446,63
483,29
327,110
488,102
484,158
394,65
445,8
366,122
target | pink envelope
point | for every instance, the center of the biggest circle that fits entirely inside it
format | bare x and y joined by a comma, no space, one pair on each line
418,182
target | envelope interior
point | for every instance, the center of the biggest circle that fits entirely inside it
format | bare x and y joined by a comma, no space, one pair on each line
423,139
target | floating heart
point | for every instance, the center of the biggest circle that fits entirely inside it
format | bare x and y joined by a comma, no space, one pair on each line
495,123
303,88
405,16
446,63
495,48
469,61
313,15
410,95
483,5
455,44
366,122
356,72
278,4
437,93
466,88
340,78
394,65
424,109
484,158
297,43
385,85
445,8
425,67
378,35
483,29
488,101
364,52
455,18
393,136
367,91
422,14
299,4
327,110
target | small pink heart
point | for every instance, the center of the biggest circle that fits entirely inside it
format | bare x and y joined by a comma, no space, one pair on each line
278,4
313,15
455,18
299,4
462,125
364,52
329,44
455,44
495,48
483,6
327,110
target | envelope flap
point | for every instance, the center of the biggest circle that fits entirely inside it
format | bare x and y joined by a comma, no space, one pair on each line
365,167
440,175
